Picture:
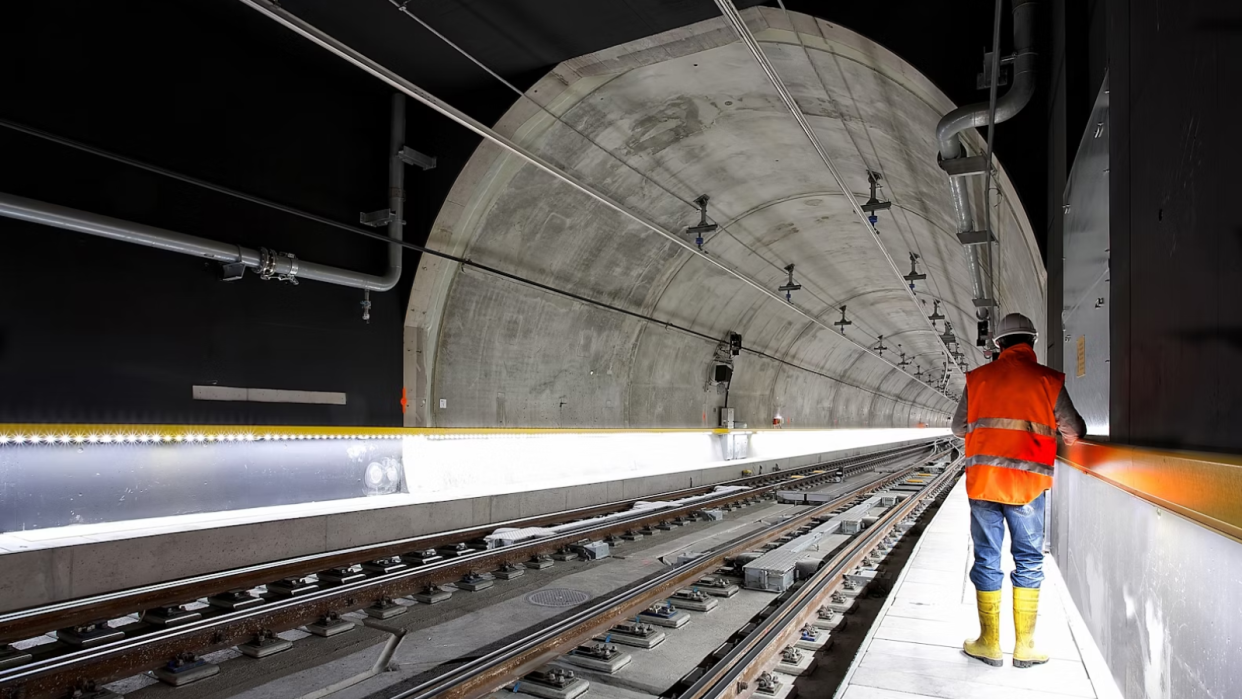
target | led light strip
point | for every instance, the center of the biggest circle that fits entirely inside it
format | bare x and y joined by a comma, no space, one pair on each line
157,438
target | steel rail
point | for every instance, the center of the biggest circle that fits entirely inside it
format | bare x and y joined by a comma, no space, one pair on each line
49,676
742,665
272,10
488,672
734,18
27,623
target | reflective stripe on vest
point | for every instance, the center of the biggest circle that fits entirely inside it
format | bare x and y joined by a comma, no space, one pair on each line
1011,427
1004,423
1006,462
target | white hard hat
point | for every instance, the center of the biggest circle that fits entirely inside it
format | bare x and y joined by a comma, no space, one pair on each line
1015,324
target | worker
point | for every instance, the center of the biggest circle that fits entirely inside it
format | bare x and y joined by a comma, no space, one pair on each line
1010,414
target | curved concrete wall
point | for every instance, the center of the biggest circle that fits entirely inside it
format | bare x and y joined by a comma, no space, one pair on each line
654,124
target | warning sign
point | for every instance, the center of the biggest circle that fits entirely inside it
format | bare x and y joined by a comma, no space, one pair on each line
1082,356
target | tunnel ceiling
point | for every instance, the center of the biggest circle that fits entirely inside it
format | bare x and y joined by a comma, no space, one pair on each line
654,124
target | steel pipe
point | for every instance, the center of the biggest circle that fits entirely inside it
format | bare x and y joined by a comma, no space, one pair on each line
1014,99
274,11
976,115
34,211
56,216
396,191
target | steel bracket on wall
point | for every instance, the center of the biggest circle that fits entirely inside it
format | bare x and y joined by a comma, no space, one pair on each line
964,166
409,156
232,271
976,237
375,219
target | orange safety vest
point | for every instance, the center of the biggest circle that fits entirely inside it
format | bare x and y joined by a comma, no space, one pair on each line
1011,431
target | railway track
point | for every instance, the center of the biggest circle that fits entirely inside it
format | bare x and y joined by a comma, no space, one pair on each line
496,668
737,673
57,669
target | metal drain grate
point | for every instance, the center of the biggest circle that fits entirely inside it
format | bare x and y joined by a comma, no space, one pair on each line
557,597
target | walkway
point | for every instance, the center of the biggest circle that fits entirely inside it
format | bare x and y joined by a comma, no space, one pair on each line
914,649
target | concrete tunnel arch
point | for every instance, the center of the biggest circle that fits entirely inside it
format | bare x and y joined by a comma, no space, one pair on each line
668,118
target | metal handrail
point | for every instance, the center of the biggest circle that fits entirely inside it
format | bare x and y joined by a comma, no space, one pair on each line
1205,488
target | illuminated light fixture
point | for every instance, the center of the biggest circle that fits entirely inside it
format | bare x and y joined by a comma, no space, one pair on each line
170,437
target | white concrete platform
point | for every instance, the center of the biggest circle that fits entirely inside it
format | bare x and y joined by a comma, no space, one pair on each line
915,647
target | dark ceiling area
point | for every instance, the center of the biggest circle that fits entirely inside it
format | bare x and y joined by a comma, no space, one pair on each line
95,330
521,40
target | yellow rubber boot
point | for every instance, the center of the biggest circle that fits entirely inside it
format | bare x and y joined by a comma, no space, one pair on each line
987,646
1025,606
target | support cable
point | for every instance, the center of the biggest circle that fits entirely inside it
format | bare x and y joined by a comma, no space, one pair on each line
274,11
866,130
464,261
779,265
748,39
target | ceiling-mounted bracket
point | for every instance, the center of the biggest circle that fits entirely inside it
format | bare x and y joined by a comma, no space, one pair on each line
843,322
790,286
703,228
874,204
914,274
879,348
948,338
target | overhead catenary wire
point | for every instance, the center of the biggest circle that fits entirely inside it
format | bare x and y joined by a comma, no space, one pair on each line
274,11
866,130
817,293
465,261
748,39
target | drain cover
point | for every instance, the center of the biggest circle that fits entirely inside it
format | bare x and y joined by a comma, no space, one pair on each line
557,597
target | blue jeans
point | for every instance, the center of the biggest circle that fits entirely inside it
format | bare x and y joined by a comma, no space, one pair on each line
1026,542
